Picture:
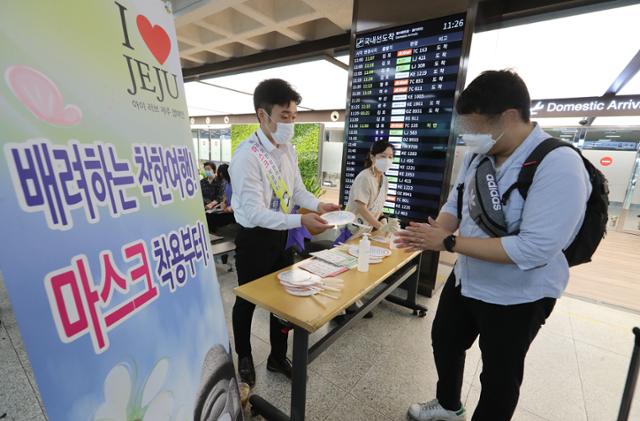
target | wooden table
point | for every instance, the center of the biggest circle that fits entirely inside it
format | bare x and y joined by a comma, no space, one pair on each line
308,314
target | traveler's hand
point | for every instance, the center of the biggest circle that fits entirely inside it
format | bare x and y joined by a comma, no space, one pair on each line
327,207
418,237
211,205
314,223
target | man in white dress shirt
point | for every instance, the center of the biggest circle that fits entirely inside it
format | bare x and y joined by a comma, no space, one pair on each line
267,185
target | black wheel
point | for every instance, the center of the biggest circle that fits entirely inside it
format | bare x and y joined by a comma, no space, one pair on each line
218,397
422,313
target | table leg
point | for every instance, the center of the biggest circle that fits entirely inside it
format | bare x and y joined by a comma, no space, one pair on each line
411,285
412,295
299,381
298,384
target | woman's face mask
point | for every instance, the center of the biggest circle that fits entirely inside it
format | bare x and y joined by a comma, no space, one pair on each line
383,164
208,173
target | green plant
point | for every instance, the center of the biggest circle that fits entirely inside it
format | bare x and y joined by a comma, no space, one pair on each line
313,186
306,139
240,132
308,164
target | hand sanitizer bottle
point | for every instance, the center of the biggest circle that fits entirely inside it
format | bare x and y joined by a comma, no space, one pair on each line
363,253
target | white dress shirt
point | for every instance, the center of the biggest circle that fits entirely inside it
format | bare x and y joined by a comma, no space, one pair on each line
253,195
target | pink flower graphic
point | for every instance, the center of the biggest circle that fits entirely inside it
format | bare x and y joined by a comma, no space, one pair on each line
41,96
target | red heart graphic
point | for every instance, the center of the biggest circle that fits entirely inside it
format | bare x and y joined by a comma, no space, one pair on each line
155,37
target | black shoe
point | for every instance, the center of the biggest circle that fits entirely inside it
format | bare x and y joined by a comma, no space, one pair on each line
247,371
340,319
282,366
369,315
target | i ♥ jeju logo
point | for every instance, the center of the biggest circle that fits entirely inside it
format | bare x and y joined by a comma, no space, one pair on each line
145,76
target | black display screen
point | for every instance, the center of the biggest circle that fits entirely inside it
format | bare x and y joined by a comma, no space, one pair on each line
570,135
612,139
607,139
403,85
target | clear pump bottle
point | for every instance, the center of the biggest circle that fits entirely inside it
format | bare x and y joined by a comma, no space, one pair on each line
364,249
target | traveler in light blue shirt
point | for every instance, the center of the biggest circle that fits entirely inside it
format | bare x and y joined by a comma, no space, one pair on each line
502,289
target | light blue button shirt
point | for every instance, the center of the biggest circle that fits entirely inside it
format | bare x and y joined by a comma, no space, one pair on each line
548,221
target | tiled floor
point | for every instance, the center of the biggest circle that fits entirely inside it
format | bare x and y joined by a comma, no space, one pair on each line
575,370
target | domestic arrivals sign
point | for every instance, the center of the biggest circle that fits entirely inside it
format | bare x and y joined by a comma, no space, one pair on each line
623,105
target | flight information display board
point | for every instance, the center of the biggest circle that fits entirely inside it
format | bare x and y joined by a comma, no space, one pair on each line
403,85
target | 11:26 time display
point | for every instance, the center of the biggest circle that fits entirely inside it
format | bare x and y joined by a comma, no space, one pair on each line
452,24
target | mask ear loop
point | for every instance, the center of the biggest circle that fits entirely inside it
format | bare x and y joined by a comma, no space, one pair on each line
503,131
270,133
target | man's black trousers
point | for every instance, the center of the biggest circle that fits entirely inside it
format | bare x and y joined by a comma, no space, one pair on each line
259,252
505,332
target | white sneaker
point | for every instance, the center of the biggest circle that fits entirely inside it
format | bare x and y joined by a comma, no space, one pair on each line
433,411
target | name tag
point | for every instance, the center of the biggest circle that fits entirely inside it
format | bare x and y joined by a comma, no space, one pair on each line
275,204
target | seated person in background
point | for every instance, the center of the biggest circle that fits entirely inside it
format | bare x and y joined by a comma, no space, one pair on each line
212,186
224,216
208,185
223,175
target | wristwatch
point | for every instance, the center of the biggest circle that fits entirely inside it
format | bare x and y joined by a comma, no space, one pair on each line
449,243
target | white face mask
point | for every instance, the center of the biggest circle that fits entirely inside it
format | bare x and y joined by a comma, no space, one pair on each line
383,164
283,133
480,143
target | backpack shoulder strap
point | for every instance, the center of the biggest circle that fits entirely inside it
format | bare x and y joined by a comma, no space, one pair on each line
460,188
530,165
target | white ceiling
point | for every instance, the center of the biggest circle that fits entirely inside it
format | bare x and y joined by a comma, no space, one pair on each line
560,58
211,31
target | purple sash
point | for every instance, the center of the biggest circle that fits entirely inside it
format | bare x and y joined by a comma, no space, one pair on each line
227,193
345,234
296,236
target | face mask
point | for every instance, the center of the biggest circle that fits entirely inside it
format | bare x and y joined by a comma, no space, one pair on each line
383,164
208,173
480,143
283,133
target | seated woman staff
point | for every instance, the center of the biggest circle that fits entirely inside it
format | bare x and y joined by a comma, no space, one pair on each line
369,192
366,200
